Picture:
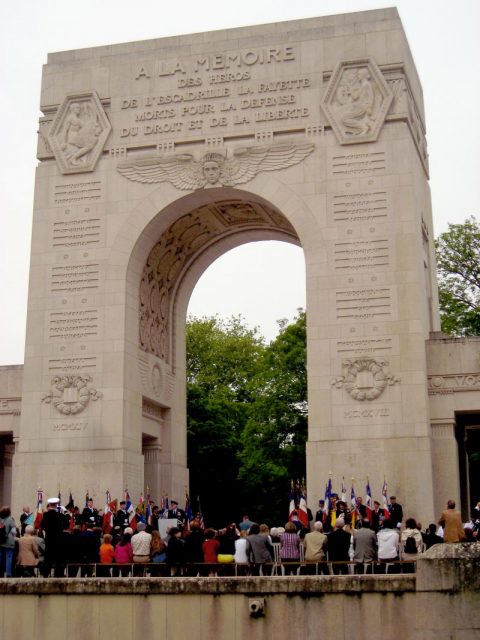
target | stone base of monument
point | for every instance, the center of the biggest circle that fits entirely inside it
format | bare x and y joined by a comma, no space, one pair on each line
441,601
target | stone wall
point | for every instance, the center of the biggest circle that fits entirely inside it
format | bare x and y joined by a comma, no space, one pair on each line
442,601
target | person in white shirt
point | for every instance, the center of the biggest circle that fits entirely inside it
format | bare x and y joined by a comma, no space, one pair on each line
388,545
141,542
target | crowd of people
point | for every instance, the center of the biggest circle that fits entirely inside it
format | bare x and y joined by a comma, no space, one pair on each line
337,540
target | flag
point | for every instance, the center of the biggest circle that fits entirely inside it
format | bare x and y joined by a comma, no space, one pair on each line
328,496
141,510
39,516
148,509
302,505
70,504
199,515
368,500
188,510
87,498
70,507
292,499
344,491
109,511
385,499
164,506
132,521
353,503
59,505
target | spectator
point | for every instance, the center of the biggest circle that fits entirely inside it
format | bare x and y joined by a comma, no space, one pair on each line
388,546
124,552
27,558
7,547
175,551
315,550
107,556
141,542
430,537
290,548
259,550
451,521
411,544
339,547
365,547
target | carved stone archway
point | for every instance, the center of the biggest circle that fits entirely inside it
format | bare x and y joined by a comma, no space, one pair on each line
173,266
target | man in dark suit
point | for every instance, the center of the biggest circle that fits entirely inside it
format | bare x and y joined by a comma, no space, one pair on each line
377,516
338,547
175,512
89,514
396,512
122,518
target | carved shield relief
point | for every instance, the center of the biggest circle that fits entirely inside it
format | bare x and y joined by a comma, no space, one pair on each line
79,132
357,101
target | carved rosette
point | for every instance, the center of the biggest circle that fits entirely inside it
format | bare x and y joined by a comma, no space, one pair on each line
71,394
365,378
79,132
356,101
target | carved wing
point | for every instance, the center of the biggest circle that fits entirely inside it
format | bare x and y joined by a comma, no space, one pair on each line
181,170
248,161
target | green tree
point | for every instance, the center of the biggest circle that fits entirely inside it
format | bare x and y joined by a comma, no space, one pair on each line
275,435
458,268
247,417
222,360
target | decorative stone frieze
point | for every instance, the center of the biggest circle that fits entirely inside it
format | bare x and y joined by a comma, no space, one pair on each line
453,383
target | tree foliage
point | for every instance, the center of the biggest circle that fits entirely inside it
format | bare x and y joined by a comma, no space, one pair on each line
247,417
458,268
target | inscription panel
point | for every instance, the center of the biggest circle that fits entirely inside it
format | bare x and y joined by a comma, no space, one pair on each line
358,164
352,255
75,278
383,345
69,193
353,305
78,231
363,206
73,324
72,364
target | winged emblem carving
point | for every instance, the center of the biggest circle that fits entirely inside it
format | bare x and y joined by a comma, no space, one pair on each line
214,168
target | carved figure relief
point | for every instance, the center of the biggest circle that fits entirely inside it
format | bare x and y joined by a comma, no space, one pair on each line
71,394
365,378
356,101
79,132
214,169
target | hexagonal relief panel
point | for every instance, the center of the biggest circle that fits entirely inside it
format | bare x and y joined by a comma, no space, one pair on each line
357,101
79,132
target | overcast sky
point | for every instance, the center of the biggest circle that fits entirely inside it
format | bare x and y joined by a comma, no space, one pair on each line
263,281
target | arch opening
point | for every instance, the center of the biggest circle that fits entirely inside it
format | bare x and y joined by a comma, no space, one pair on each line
185,249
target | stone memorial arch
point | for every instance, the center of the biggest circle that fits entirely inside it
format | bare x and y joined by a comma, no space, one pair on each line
157,157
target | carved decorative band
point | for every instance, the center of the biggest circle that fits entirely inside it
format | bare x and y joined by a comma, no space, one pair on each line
452,383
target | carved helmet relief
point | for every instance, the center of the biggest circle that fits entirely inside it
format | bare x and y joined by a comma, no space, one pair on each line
356,101
79,132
